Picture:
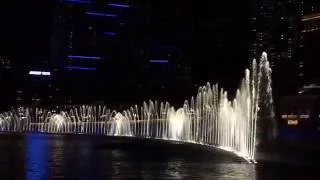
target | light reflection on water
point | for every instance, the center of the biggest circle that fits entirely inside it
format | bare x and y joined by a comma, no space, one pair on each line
63,157
36,158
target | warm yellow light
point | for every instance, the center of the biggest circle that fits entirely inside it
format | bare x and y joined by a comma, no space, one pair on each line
292,116
292,122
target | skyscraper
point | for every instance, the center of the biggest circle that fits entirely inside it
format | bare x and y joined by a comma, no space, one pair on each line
125,44
311,32
276,29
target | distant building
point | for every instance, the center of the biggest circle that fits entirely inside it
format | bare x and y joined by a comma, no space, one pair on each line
311,32
103,48
300,114
276,29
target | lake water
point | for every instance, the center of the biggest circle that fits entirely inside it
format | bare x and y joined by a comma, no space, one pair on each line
39,156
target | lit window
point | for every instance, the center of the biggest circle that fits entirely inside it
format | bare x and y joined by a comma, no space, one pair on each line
118,5
45,73
304,116
40,73
159,61
101,14
35,73
292,116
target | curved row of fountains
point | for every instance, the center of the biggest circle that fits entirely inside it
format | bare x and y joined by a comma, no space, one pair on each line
209,118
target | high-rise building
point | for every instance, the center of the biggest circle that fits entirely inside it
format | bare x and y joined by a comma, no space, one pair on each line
311,32
109,47
276,28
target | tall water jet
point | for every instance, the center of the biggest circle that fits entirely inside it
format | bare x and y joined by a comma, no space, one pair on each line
176,120
120,126
267,126
211,118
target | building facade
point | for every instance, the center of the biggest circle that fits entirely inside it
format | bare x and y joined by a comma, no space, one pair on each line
119,45
311,33
276,29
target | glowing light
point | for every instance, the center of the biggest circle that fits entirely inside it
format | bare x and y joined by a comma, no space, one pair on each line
84,57
100,14
284,116
312,17
110,33
292,116
35,73
78,1
81,68
158,61
118,5
292,122
304,116
46,73
120,126
40,73
176,123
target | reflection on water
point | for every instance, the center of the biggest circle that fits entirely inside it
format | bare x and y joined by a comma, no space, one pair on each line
38,157
174,169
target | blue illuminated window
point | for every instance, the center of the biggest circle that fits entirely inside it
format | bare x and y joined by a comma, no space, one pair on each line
118,5
81,68
110,33
84,57
159,61
100,14
78,1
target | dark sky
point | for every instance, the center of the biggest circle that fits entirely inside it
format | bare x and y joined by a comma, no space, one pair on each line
25,28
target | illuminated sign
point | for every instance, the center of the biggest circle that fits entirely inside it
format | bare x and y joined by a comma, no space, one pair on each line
291,116
119,5
304,116
81,68
39,73
292,122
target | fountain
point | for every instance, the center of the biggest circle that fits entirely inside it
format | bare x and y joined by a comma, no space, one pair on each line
209,119
120,126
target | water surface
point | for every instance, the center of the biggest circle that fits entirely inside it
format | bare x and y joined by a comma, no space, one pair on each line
39,156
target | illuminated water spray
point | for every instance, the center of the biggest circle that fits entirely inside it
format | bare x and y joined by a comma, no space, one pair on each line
209,118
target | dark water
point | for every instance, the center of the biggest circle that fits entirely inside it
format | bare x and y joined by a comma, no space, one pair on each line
38,157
